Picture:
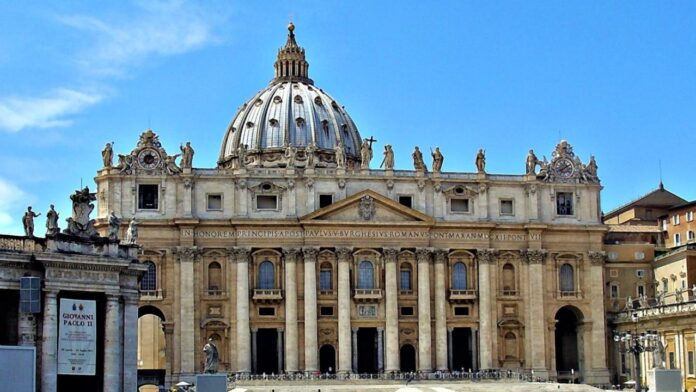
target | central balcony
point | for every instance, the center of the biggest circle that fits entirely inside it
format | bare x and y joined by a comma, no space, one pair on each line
367,295
459,295
267,295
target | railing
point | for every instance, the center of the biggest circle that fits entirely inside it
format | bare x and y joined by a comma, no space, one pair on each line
509,293
460,295
151,295
367,294
568,294
405,292
326,292
268,295
215,293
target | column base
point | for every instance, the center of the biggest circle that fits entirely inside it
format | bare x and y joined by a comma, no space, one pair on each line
596,377
541,373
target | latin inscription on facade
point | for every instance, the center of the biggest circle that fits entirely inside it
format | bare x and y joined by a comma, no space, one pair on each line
367,311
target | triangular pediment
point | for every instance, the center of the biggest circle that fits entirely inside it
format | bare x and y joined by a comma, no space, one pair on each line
368,207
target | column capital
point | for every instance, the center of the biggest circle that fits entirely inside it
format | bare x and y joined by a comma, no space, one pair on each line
50,293
535,256
355,329
131,299
187,253
440,255
390,254
310,253
344,254
423,254
486,256
254,329
290,254
112,297
242,254
168,327
597,258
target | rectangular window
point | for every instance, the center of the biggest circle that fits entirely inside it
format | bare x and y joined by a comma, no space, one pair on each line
406,201
677,239
459,205
214,203
266,202
506,207
690,358
326,311
405,280
623,364
266,311
325,280
675,219
689,216
564,203
672,364
325,200
614,291
407,311
665,286
641,290
461,310
148,196
690,235
640,273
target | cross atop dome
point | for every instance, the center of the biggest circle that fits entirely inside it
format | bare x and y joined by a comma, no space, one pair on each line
291,63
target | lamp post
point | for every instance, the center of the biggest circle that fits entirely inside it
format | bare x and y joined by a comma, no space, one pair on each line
636,343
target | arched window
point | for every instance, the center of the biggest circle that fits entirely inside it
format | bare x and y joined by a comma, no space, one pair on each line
266,275
405,277
149,281
508,278
567,278
510,346
214,276
326,277
459,276
366,277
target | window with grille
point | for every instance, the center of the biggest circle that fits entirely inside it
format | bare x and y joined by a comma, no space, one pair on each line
564,203
214,276
405,278
614,293
567,278
508,278
366,275
266,275
149,281
147,196
459,276
325,277
690,357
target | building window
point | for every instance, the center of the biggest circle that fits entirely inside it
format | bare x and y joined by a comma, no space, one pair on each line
149,280
459,276
148,195
405,277
640,273
461,310
624,370
407,310
326,311
567,278
214,277
690,235
325,200
690,359
677,239
639,255
664,225
266,275
264,311
665,285
366,277
689,216
675,219
506,207
406,201
510,346
614,291
326,277
508,279
214,203
459,205
640,290
564,203
266,202
672,362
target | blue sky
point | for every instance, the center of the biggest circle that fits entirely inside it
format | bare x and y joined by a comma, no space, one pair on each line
616,79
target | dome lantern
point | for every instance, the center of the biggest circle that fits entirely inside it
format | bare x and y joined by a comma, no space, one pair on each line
291,63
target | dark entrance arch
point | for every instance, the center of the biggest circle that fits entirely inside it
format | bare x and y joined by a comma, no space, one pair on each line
568,342
462,349
407,358
152,371
367,350
267,351
327,359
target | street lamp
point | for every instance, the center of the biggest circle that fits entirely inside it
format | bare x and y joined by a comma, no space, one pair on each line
637,343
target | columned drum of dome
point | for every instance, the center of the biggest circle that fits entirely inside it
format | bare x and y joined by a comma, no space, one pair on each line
289,120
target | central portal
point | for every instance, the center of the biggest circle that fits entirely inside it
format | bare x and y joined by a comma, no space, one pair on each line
267,351
367,350
462,349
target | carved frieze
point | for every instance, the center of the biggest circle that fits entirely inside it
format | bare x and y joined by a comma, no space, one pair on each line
486,256
423,255
343,254
535,256
366,207
83,276
441,255
310,253
566,167
597,258
390,254
187,253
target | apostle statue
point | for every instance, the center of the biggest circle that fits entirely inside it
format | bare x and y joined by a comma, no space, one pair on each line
114,225
186,156
388,161
28,222
52,222
212,358
340,156
170,164
591,169
418,162
309,153
290,153
365,154
108,155
481,161
132,233
659,355
437,159
531,163
241,155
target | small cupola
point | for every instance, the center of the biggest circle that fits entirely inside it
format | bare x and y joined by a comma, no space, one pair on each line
291,63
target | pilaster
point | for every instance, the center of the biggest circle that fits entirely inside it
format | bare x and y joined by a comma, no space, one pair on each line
344,310
130,343
112,345
49,346
485,258
391,311
243,353
186,257
311,347
424,327
441,361
291,341
535,316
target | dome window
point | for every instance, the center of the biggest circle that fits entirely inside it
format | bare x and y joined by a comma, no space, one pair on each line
325,125
258,102
317,101
273,122
334,105
300,121
344,127
249,124
277,99
298,99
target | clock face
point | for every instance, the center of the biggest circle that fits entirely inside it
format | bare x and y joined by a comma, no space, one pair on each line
564,167
148,159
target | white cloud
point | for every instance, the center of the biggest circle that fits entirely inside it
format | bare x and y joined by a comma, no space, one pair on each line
11,197
48,111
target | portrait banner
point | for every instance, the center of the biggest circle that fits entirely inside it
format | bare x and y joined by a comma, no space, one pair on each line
77,337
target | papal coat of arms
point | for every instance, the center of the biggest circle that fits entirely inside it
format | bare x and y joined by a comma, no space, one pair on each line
366,207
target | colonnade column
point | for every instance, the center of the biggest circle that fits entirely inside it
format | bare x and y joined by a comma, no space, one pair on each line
310,310
424,336
441,349
168,329
291,343
391,310
535,317
187,329
243,354
112,345
484,257
130,343
49,346
344,308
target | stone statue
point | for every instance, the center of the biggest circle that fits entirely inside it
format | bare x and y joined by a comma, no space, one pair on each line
108,155
418,163
660,297
340,156
186,156
693,291
170,164
481,161
629,303
531,163
132,233
388,161
52,222
28,222
679,295
114,225
125,163
643,301
365,154
290,153
437,159
79,223
212,357
241,155
591,169
659,355
309,153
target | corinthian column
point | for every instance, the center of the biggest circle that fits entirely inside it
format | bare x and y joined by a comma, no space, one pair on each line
440,315
130,343
424,338
344,343
484,257
49,346
112,345
535,317
392,311
243,349
187,256
310,310
291,310
599,373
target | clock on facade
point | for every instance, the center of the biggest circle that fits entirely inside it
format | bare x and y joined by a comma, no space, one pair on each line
148,159
564,167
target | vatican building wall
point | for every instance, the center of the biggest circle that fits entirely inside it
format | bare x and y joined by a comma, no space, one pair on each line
295,255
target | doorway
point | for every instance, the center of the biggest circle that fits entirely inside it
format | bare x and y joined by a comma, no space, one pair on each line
327,359
567,340
367,350
462,349
267,351
407,358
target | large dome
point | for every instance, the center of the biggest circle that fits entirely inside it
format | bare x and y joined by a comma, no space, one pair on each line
289,120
